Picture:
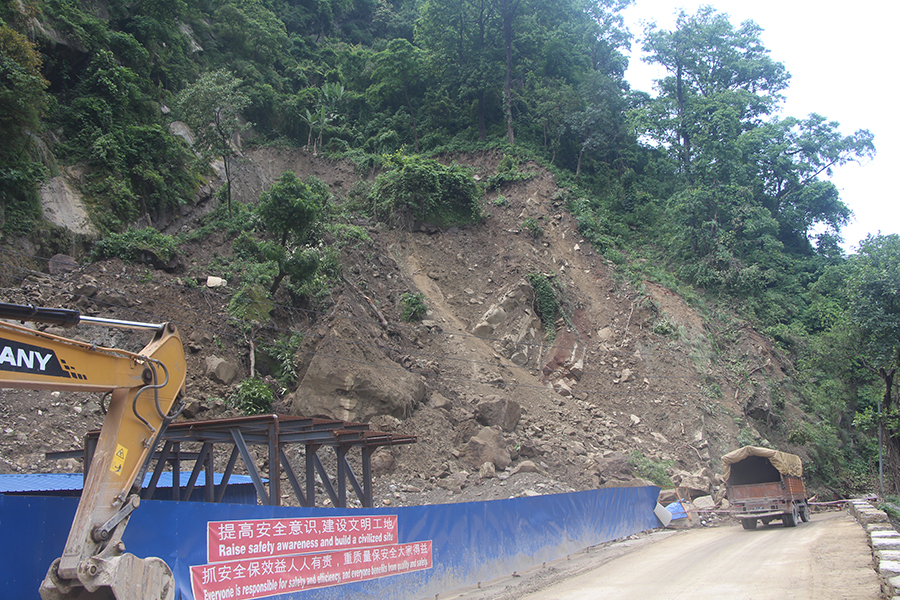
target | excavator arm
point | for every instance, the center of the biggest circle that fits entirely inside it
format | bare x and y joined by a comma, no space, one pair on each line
145,394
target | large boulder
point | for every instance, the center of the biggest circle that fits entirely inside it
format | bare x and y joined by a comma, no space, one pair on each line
382,461
614,470
693,485
488,446
62,264
63,205
502,412
353,381
704,503
221,370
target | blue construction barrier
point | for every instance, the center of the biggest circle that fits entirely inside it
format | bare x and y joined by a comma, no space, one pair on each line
409,553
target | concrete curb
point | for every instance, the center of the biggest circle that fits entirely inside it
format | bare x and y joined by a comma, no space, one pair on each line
885,544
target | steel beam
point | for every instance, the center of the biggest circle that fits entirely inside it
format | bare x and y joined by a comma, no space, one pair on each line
251,466
292,476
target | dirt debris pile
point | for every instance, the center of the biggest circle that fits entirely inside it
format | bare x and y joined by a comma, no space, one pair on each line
626,386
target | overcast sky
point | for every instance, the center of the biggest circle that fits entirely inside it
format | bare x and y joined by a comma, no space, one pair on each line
842,58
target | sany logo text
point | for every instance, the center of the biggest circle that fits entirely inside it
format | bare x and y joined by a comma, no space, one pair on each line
24,359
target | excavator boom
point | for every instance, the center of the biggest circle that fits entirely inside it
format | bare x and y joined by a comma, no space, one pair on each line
145,390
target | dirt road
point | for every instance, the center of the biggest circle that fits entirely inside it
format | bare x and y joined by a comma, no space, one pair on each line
825,558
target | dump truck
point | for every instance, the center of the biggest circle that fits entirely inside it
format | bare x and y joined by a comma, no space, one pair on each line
144,392
765,485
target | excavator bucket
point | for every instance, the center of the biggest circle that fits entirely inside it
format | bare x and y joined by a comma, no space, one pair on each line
124,577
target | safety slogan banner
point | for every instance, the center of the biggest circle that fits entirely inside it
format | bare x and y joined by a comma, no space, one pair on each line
228,540
267,557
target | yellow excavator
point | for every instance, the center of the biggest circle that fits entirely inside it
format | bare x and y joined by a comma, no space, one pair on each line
145,392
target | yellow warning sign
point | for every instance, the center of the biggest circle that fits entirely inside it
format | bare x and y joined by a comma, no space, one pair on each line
118,460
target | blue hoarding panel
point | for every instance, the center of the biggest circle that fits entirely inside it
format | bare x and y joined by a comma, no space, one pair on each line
470,542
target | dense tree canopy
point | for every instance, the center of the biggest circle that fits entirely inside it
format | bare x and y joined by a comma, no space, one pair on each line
290,211
750,185
22,102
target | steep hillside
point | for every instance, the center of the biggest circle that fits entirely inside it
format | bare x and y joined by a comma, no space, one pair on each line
632,371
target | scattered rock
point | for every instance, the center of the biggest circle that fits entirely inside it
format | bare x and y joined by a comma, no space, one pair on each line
527,466
562,388
86,289
667,497
220,370
495,315
382,462
487,471
106,298
483,330
529,449
193,409
60,264
439,401
577,448
519,358
488,446
703,502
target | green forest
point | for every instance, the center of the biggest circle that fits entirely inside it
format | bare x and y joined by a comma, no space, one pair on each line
702,186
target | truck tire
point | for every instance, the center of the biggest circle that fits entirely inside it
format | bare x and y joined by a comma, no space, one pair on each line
790,519
804,512
748,523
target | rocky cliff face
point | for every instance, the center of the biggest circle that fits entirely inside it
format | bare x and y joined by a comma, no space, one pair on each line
629,375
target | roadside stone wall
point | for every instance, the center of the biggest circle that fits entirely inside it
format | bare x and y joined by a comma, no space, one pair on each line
885,543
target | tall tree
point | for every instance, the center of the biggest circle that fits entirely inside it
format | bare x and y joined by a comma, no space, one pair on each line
459,36
399,70
719,78
508,10
785,160
485,51
741,168
874,308
290,210
212,108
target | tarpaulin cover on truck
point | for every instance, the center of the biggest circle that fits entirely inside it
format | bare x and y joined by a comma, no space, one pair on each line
786,464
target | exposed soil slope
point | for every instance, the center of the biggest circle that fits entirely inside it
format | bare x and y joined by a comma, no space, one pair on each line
629,369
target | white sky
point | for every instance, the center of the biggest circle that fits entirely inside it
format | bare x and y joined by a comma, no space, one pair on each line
842,58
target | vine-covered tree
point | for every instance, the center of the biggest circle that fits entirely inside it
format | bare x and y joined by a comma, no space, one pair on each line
459,36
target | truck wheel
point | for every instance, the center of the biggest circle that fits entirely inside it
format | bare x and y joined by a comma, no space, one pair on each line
790,519
748,523
804,512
